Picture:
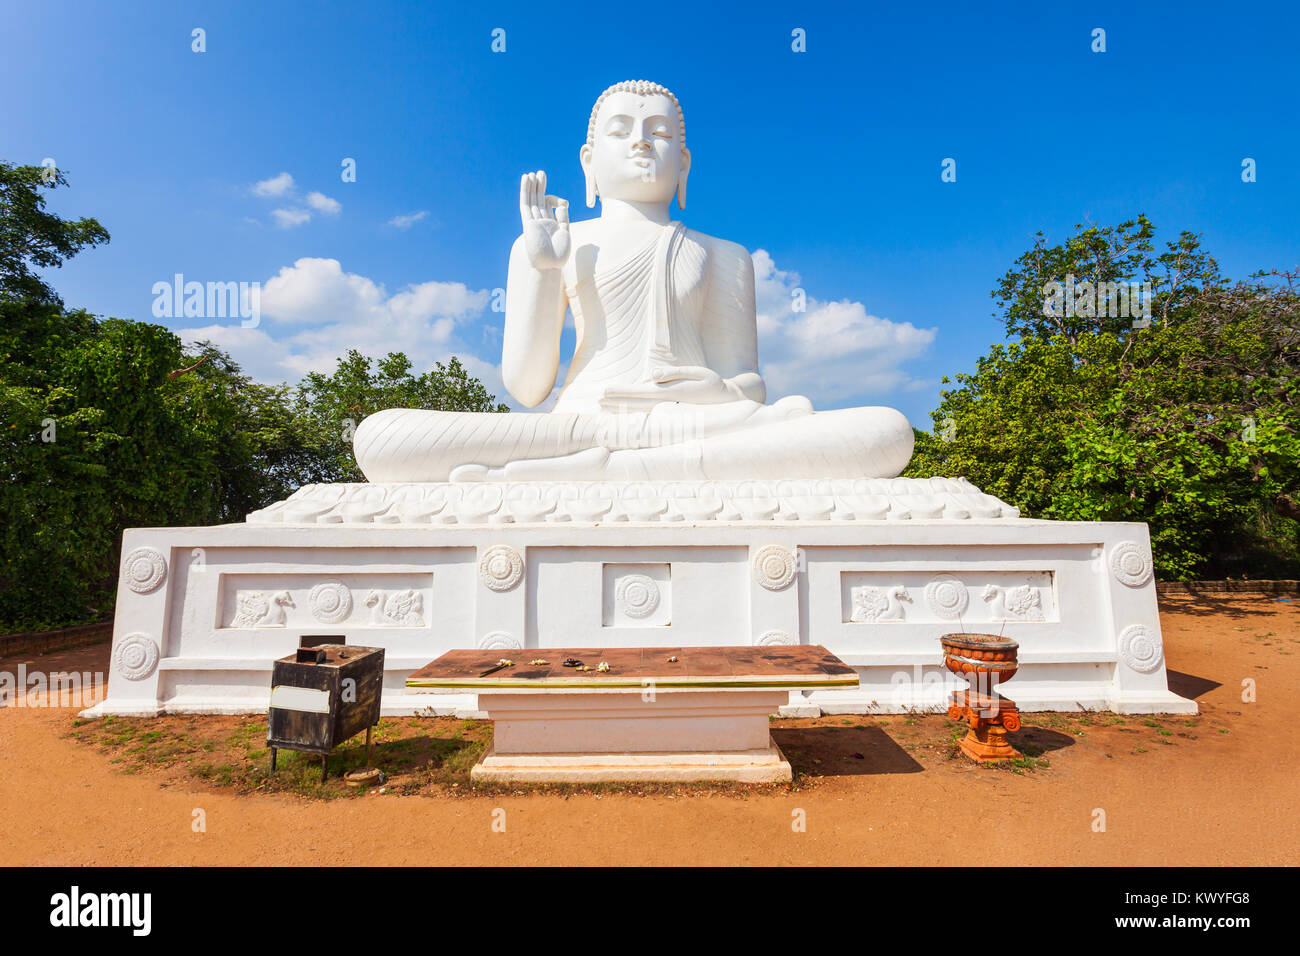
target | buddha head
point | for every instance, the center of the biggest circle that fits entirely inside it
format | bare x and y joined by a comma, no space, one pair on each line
636,145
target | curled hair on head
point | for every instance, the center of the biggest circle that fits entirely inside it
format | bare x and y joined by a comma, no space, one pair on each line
641,88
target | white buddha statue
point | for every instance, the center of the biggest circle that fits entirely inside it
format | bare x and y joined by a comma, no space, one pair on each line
664,382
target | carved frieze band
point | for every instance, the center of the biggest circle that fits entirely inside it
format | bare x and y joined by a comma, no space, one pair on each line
530,502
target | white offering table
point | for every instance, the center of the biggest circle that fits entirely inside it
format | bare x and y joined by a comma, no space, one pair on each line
656,714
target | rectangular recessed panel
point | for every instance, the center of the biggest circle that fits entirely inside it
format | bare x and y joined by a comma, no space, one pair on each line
703,595
317,600
885,597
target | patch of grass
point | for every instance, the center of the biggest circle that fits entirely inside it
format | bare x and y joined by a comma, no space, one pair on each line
433,756
1051,721
231,752
1023,764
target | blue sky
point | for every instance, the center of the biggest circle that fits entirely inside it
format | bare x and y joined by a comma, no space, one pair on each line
828,161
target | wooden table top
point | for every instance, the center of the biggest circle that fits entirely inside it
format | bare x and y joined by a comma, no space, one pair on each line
774,666
335,654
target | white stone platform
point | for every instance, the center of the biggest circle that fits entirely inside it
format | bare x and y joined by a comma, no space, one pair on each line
203,612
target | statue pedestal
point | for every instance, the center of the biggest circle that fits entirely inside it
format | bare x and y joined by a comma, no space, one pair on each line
876,572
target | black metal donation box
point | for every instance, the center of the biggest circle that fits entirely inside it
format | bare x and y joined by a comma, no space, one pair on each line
321,696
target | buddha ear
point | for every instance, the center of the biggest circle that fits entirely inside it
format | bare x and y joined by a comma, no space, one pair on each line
584,157
681,178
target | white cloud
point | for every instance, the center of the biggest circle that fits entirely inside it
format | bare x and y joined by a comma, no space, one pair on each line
256,352
322,203
313,311
408,220
289,218
280,185
836,353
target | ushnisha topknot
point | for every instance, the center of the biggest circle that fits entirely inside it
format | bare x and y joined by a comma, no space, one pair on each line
640,87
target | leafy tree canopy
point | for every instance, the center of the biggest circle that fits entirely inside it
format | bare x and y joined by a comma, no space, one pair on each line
329,407
107,424
30,237
1188,421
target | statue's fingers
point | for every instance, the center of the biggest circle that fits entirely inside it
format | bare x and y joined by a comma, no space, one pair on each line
537,196
530,194
561,209
523,196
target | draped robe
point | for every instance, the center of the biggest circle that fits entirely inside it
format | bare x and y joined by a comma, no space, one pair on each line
682,299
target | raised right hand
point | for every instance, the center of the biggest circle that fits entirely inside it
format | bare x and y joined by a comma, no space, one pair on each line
546,222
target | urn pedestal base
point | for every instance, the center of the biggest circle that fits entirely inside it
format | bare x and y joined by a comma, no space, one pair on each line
990,719
984,661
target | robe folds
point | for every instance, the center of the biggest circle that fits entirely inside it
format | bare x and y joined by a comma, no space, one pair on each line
682,299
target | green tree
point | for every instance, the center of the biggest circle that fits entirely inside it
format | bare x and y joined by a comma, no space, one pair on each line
329,408
1188,423
31,238
1098,255
107,424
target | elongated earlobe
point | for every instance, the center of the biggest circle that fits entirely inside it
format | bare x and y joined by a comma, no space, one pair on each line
584,158
681,179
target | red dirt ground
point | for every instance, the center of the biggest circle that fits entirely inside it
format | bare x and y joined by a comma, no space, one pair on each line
1220,789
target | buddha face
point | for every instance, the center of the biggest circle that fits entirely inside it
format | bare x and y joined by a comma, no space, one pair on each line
637,153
